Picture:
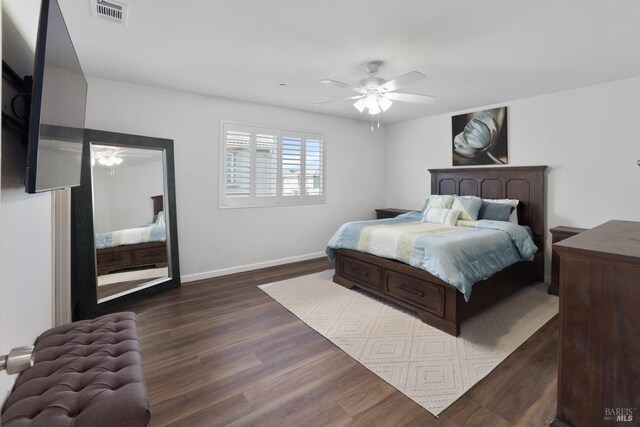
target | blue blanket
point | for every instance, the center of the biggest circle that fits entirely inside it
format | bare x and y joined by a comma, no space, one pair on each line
460,256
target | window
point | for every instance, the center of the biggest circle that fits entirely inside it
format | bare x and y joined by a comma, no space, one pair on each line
263,166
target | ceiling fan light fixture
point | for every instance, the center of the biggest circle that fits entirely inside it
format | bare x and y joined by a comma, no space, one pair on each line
360,105
371,100
384,103
374,109
112,160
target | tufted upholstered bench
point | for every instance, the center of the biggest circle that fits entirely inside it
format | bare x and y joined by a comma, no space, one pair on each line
86,373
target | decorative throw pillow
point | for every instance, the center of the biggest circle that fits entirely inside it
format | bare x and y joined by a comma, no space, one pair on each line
495,211
439,201
469,206
441,216
513,218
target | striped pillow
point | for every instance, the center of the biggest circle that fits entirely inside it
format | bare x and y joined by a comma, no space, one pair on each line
469,206
441,216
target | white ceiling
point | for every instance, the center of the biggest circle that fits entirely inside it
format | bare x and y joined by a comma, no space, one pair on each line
474,53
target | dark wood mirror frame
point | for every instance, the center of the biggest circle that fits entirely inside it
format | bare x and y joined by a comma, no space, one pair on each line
83,255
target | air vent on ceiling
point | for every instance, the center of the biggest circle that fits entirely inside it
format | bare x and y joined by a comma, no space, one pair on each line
110,10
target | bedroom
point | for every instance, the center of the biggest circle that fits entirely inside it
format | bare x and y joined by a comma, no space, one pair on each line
570,83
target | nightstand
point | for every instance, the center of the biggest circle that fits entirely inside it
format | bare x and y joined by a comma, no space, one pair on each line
390,212
558,234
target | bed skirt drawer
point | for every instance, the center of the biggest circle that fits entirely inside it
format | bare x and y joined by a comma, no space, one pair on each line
362,272
151,255
110,261
415,292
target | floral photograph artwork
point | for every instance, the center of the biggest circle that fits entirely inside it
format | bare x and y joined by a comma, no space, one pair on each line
480,138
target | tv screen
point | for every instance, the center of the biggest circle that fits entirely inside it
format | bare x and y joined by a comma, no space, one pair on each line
58,103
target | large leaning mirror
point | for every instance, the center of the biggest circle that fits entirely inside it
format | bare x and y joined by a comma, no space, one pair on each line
125,222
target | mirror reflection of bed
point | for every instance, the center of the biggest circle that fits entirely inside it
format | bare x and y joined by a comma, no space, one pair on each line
123,267
129,219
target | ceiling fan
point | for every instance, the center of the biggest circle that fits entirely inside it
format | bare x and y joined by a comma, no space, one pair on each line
376,94
111,156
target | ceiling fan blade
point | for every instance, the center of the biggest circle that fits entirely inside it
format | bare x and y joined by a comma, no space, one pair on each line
343,85
410,97
339,99
403,80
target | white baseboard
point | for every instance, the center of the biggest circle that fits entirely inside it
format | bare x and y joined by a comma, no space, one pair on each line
248,267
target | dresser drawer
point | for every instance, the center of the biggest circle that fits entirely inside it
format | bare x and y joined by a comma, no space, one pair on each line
415,292
362,272
110,261
150,255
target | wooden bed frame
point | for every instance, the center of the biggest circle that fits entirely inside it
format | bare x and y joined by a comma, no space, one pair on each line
437,303
133,257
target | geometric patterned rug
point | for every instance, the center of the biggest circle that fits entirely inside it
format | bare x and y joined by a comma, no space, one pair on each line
429,366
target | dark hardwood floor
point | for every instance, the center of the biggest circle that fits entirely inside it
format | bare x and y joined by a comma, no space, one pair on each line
222,352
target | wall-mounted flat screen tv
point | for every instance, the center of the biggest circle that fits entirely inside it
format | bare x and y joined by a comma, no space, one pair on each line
58,104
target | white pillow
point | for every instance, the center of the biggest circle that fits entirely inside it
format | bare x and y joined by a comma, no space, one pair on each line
438,201
513,218
441,216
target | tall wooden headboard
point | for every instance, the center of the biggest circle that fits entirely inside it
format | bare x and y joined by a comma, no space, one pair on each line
158,204
524,183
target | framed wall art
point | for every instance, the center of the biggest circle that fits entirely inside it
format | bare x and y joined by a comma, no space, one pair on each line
480,138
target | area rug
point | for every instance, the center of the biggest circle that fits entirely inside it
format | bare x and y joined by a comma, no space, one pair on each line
430,367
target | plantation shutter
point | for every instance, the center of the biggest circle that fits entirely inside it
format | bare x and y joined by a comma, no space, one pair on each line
266,175
237,141
261,166
291,166
314,166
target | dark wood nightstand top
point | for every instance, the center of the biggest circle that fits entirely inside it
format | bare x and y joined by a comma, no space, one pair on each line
391,212
567,230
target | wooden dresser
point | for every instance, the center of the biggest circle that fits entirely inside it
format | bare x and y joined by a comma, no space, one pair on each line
599,343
